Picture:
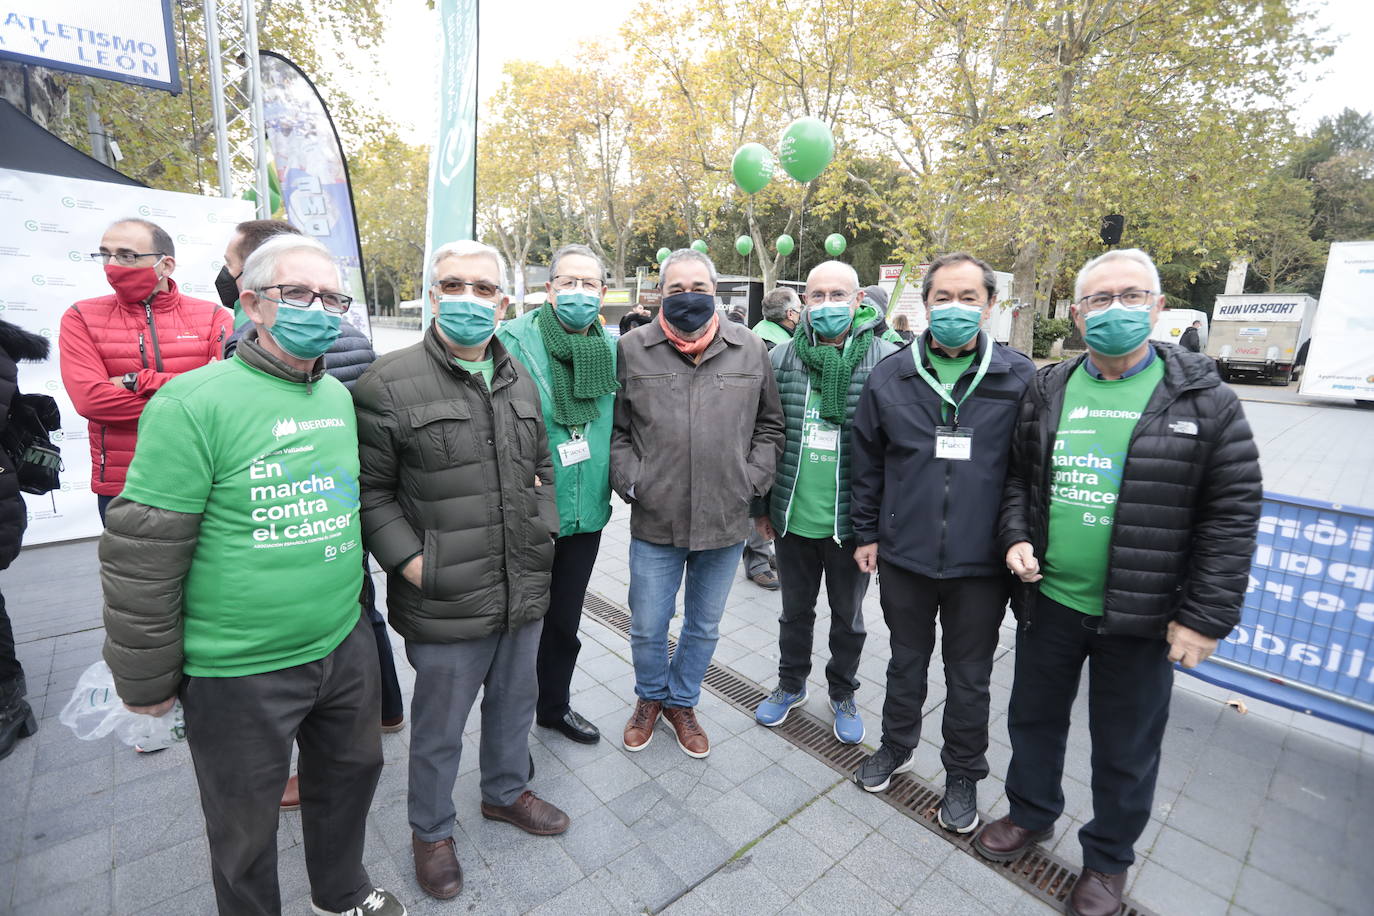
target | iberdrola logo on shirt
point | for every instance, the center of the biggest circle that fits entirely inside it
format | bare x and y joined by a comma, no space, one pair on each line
285,427
290,426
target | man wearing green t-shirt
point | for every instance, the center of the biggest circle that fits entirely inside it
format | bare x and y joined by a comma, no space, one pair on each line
820,374
1129,516
931,437
458,508
231,577
573,365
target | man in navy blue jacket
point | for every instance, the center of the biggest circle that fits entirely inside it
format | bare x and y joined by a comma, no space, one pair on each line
930,445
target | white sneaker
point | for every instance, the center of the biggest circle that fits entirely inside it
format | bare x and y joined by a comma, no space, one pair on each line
378,903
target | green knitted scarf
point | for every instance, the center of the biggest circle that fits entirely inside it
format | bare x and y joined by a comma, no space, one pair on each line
581,366
831,369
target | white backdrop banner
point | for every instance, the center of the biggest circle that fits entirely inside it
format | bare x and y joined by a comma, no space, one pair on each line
48,224
130,41
1340,363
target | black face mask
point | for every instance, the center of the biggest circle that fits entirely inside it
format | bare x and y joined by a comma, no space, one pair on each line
688,311
227,285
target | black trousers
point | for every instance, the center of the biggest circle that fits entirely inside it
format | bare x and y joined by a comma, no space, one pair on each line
240,730
393,705
801,561
1129,683
573,559
970,610
9,661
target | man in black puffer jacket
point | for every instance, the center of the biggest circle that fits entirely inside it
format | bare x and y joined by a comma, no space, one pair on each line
1129,515
16,717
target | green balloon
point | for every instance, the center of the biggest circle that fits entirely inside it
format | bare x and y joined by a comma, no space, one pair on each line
806,148
835,244
744,244
663,255
699,245
752,167
785,245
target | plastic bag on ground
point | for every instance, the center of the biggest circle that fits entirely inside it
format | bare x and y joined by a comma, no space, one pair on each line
95,710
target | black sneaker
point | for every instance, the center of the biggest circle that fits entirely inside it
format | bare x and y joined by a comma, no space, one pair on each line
958,810
877,770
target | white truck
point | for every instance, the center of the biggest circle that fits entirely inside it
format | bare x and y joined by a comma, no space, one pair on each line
1173,322
1261,336
1341,361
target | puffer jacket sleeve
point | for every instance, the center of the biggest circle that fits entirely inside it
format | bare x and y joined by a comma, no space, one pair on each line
86,380
387,533
1228,514
350,355
867,451
1014,525
145,554
545,495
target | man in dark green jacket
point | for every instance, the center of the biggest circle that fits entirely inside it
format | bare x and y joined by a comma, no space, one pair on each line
458,508
572,363
820,374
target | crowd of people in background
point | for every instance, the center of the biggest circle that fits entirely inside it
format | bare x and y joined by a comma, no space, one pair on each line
247,456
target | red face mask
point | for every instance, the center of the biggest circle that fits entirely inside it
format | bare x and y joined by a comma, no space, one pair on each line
132,284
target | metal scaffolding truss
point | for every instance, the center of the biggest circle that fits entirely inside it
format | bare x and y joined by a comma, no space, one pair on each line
231,39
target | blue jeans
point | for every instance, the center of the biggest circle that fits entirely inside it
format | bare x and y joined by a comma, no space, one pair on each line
655,575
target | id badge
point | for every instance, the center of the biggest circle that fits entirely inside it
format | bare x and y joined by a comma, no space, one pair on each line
823,438
954,444
574,451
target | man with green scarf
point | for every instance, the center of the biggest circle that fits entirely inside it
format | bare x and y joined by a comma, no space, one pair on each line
821,372
573,365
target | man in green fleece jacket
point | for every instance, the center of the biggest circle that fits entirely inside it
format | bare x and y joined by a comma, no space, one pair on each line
572,363
231,576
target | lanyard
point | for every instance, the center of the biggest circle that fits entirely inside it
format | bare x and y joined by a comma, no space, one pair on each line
940,389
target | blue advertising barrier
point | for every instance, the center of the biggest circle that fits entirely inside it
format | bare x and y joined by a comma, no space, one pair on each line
1306,636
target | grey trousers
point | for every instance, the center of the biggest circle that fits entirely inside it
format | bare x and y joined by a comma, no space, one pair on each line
241,729
447,678
757,552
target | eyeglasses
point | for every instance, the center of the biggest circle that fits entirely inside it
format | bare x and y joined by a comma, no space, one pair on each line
301,297
124,257
451,286
967,299
1131,298
816,297
585,283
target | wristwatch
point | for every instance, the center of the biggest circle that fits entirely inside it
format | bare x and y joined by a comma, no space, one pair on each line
130,381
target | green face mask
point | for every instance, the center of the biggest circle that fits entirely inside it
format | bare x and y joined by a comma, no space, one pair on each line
576,308
1116,330
830,321
954,325
305,333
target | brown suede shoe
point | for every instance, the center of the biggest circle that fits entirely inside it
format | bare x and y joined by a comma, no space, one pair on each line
530,813
437,868
1097,894
690,736
291,798
639,731
1003,841
391,726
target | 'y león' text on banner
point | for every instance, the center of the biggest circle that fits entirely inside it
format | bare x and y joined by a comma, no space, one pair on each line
453,155
313,172
1308,617
130,41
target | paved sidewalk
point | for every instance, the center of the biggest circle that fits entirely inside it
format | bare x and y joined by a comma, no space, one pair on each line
1268,812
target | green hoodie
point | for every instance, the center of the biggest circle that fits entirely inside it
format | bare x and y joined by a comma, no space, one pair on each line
583,490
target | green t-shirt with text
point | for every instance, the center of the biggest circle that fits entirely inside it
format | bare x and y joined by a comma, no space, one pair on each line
273,470
812,511
1087,460
482,368
947,372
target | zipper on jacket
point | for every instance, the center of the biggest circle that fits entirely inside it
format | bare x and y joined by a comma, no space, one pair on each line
787,510
102,452
220,342
142,351
152,332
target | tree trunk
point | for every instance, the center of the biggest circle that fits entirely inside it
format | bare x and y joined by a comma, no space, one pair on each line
1023,280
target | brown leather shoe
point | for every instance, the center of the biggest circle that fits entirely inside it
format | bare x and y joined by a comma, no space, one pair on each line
690,736
639,731
437,868
1003,841
391,726
1097,894
766,579
291,798
530,813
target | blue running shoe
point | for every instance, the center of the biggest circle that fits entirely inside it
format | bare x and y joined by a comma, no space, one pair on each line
849,728
773,711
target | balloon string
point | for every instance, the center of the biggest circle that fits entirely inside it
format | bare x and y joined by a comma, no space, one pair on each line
801,236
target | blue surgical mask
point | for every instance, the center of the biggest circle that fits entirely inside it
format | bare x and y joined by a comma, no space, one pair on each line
305,333
688,311
955,324
466,320
577,309
1116,330
830,321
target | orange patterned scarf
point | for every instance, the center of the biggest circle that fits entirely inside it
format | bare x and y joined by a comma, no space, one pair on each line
692,348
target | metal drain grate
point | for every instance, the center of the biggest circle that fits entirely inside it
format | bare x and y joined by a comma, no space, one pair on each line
1042,874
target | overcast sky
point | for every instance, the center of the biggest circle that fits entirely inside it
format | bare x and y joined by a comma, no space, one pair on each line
405,65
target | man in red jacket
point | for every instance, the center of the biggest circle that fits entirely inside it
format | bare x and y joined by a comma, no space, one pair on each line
117,350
